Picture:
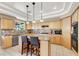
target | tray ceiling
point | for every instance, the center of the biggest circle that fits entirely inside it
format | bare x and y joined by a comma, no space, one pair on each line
50,9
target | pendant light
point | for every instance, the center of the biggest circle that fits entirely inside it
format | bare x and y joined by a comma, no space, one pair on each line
41,14
33,12
27,15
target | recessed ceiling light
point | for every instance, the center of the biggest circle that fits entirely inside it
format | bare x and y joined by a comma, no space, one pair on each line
27,22
33,21
41,20
41,11
54,7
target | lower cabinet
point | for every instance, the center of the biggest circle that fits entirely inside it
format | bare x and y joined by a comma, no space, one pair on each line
8,41
56,39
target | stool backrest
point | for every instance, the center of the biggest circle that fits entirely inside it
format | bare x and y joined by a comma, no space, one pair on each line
24,39
35,41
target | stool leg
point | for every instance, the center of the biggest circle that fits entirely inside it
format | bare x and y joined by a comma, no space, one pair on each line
36,51
27,50
22,50
31,50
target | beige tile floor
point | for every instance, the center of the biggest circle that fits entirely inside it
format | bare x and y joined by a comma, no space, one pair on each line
56,50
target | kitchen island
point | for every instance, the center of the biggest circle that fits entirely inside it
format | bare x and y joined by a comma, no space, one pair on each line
45,42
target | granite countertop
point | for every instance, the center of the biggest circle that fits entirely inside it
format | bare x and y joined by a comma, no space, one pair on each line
44,37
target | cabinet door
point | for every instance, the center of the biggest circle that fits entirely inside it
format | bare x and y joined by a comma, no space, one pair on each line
51,40
28,26
7,24
10,24
7,41
66,32
4,24
56,39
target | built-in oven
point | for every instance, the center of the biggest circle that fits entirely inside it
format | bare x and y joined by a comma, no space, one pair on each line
74,36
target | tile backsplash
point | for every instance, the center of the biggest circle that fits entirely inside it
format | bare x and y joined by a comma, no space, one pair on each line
11,32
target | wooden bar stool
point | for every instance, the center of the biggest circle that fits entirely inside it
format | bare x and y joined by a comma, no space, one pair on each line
35,45
25,45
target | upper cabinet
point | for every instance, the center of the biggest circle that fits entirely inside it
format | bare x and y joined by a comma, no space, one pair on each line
66,32
7,23
28,26
75,16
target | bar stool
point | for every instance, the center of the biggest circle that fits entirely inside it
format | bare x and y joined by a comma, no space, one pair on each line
35,45
25,45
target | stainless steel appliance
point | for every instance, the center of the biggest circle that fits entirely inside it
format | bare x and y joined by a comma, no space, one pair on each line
74,36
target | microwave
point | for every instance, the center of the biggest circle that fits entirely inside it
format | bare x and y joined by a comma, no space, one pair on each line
57,31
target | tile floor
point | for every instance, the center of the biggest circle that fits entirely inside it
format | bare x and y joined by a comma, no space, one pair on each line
56,50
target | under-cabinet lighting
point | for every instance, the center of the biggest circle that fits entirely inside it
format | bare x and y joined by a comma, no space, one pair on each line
33,21
41,20
27,22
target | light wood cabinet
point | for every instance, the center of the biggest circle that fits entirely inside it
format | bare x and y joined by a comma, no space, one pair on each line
56,39
7,23
28,26
66,32
6,41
